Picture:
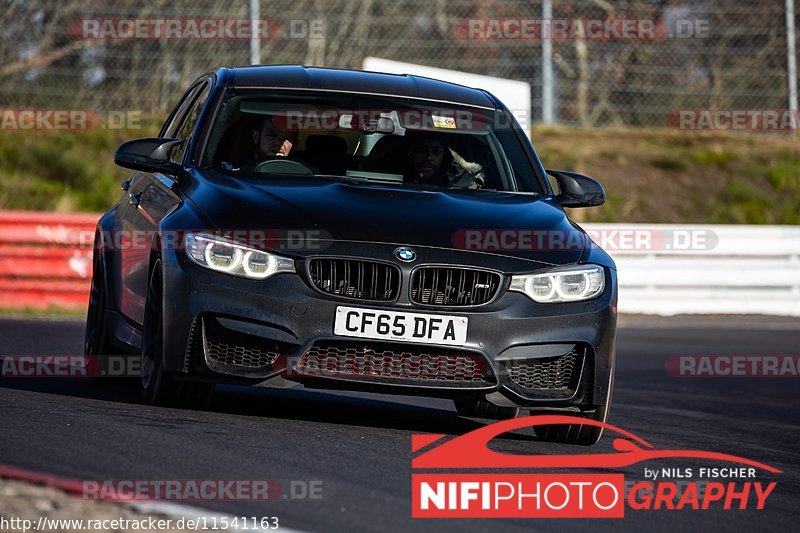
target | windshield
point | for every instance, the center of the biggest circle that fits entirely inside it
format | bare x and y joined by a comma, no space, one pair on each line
365,138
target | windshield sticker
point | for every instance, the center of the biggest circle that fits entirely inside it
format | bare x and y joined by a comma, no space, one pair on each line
444,122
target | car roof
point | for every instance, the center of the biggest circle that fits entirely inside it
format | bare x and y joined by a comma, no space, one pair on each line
356,81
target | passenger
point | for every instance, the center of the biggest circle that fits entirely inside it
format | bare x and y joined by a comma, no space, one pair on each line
429,161
426,162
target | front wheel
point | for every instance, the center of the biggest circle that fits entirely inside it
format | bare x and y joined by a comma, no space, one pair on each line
580,434
158,386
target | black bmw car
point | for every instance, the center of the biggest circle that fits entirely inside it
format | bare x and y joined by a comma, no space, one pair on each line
359,231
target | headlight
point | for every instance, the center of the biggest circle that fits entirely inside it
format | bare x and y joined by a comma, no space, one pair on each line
221,255
565,284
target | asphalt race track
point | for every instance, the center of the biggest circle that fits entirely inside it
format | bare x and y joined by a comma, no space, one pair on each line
358,445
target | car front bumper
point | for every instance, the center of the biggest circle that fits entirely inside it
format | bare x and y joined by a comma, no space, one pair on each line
519,344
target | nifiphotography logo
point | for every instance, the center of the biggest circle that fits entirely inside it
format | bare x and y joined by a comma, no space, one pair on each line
461,492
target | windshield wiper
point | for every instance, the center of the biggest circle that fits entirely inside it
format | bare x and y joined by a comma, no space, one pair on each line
357,179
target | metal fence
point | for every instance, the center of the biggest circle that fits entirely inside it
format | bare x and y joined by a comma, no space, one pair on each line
720,54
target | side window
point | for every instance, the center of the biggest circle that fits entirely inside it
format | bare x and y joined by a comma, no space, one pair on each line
171,125
188,124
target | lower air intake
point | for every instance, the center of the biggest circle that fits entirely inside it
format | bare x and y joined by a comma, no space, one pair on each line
232,352
547,373
395,363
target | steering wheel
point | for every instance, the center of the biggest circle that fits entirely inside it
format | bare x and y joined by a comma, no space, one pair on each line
285,166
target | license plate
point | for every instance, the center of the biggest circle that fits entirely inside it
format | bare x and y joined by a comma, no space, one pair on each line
398,326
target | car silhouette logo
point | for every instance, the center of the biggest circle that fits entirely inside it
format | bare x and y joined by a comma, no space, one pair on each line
407,255
471,450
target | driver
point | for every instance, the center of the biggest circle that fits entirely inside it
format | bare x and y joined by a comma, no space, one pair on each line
247,143
270,140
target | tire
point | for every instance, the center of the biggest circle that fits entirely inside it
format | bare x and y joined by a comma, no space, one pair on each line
158,386
578,434
97,340
485,409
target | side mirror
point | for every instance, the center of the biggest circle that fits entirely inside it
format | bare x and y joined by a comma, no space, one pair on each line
577,190
148,155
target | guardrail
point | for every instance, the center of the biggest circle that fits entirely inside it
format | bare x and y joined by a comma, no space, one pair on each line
42,262
45,261
697,269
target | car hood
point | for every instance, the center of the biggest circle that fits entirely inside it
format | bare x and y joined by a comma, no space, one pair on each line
514,225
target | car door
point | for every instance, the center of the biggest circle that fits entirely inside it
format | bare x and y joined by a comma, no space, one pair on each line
150,197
